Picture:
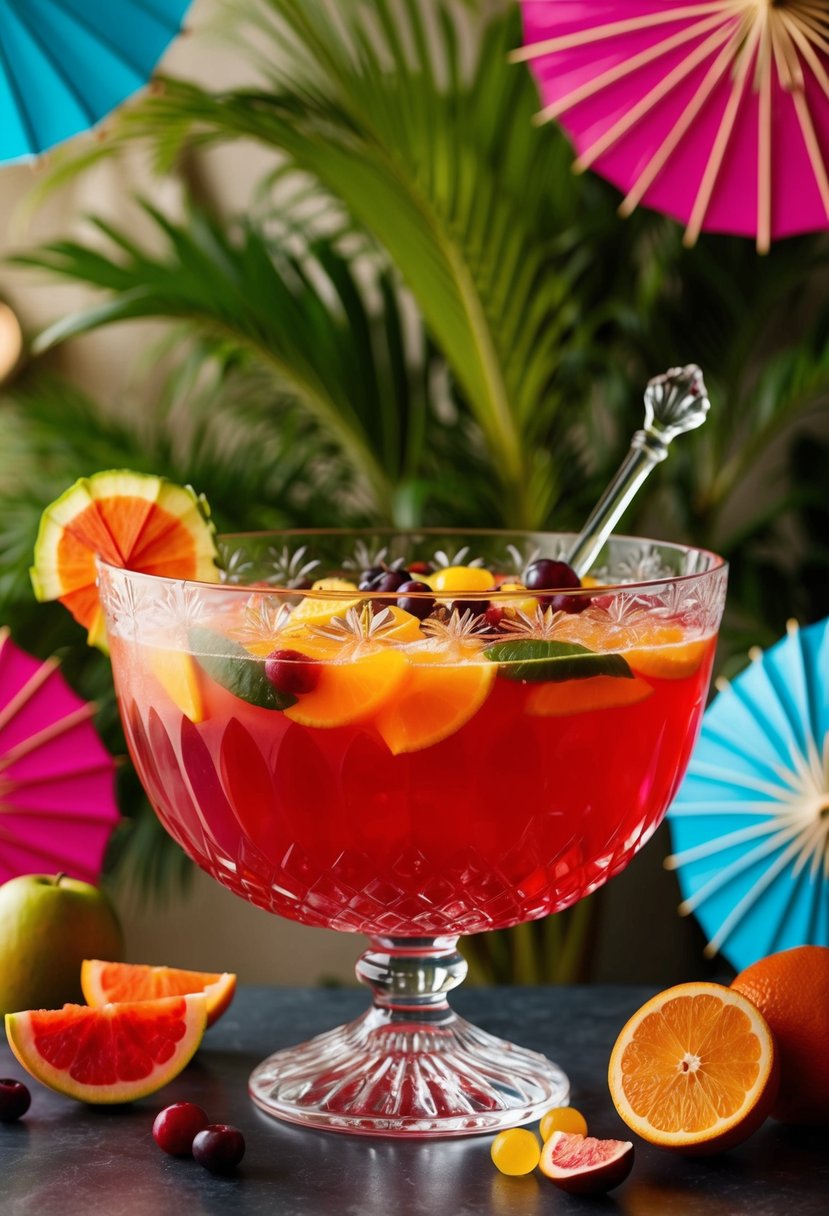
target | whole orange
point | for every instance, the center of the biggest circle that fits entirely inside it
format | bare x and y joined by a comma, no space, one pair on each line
791,990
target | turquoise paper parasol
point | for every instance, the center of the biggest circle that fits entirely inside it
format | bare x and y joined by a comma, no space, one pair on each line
750,826
65,64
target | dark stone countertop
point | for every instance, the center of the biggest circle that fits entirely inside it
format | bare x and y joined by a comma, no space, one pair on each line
68,1159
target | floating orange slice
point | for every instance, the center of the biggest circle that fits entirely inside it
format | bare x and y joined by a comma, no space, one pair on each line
113,1054
434,700
695,1069
657,649
349,689
560,700
103,983
129,519
177,674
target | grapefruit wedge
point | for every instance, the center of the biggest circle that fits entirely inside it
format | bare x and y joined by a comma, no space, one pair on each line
117,1053
132,520
103,983
584,1165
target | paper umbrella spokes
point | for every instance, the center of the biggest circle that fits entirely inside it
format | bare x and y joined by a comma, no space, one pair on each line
750,825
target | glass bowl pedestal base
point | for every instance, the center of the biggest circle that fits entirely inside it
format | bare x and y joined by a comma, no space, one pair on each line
409,1066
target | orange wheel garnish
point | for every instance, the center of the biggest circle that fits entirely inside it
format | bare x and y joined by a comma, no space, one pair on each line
131,520
695,1069
103,983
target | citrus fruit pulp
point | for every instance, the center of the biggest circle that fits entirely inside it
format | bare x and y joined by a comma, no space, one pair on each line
655,649
695,1069
130,520
791,990
347,691
434,700
104,983
117,1053
583,1165
559,700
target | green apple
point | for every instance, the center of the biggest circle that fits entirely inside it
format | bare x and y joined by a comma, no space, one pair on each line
48,925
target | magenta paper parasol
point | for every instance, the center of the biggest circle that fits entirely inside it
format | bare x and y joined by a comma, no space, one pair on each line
716,113
57,796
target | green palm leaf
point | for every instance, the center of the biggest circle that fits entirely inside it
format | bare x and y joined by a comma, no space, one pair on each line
443,166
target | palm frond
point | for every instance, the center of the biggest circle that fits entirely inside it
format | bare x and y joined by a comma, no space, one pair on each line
440,162
362,373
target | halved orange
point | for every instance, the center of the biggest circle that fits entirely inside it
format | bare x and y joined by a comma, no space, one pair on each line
561,699
113,1054
434,700
695,1069
103,983
132,520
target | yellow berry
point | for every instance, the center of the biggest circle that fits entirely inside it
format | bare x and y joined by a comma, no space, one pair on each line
515,1152
563,1119
462,578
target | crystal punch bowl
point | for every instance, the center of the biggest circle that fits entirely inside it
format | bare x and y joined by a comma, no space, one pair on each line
414,736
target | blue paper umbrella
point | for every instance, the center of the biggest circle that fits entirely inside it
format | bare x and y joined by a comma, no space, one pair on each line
65,64
750,825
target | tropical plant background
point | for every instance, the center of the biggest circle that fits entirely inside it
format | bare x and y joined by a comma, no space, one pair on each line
420,316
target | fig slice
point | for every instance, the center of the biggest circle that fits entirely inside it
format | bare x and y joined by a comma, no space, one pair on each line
584,1165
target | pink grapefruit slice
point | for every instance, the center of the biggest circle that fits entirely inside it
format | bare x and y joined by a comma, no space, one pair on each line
584,1165
103,983
132,520
117,1053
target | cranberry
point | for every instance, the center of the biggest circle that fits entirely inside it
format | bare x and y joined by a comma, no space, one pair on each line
219,1148
476,607
494,615
414,604
14,1100
290,671
391,580
370,576
546,573
176,1126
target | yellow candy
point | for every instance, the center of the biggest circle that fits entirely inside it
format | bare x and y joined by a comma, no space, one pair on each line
563,1119
462,578
515,1152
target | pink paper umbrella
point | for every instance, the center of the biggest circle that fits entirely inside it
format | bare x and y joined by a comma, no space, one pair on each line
715,113
57,795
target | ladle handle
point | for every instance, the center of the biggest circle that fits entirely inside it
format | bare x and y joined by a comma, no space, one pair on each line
674,403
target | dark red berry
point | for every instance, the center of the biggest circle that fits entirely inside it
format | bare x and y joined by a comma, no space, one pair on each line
568,603
176,1126
476,607
391,580
290,671
417,606
14,1100
219,1148
494,615
546,573
420,567
370,576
